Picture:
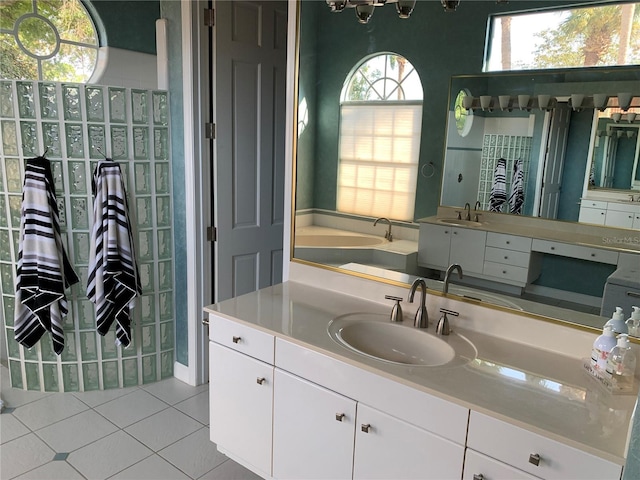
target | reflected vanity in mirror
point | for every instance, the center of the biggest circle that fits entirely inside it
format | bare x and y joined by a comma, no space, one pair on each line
547,260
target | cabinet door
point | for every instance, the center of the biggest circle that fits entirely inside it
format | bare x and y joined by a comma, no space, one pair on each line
636,221
313,430
433,246
241,401
481,467
615,218
392,448
592,215
467,249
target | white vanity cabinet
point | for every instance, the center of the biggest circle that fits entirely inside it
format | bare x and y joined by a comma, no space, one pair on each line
241,392
441,245
507,259
528,452
313,430
611,214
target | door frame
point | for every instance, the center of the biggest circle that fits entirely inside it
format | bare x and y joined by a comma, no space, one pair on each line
197,171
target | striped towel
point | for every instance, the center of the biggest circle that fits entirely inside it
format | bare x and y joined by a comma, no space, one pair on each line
516,197
498,190
113,283
43,270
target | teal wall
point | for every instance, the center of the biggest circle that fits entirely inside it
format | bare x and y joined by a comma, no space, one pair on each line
125,24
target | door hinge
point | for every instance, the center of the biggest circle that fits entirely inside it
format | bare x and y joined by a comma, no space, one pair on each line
210,130
212,234
209,17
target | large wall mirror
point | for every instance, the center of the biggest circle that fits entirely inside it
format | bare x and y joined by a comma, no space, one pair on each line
448,60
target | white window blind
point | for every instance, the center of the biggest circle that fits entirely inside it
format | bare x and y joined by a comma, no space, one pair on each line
379,152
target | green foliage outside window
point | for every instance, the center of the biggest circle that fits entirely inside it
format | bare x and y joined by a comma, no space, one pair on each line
46,40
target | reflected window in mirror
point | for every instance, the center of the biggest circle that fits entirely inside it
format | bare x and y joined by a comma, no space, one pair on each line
463,116
578,37
380,128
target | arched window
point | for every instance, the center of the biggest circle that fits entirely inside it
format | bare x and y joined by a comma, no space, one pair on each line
52,40
380,125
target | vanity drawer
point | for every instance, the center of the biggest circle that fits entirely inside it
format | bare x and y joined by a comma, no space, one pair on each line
506,272
479,466
576,251
593,204
511,242
519,447
508,257
241,338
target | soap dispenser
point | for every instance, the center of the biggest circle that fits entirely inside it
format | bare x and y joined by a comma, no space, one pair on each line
633,322
601,348
621,364
617,322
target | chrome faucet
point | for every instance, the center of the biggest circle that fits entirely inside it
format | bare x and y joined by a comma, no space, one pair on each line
421,319
388,234
453,266
467,208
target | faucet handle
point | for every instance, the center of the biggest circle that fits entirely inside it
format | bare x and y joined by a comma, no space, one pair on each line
459,214
396,311
477,217
442,328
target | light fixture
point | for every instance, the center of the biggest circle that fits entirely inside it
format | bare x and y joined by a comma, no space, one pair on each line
631,134
523,102
364,12
600,101
631,117
485,102
365,8
624,100
504,101
576,101
467,102
616,116
450,5
405,7
543,101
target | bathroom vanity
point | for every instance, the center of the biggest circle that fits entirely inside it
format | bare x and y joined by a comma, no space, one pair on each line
289,401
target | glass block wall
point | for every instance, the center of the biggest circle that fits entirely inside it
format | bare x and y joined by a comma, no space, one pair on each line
509,147
76,125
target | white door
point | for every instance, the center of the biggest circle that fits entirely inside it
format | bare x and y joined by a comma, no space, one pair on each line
554,161
249,109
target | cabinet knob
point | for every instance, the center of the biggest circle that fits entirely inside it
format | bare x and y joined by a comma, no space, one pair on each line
534,459
455,233
260,380
236,339
508,242
593,254
365,427
506,257
553,248
478,476
339,416
504,272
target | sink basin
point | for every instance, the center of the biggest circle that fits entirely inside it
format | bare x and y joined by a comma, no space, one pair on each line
458,223
374,336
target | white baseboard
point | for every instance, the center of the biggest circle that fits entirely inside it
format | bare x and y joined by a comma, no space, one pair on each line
183,373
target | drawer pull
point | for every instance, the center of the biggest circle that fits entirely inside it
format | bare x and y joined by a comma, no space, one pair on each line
633,294
534,459
339,416
508,242
236,339
504,272
260,380
478,476
593,254
506,257
553,248
365,427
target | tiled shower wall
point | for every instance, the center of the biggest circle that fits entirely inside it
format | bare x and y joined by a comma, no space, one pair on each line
509,147
77,125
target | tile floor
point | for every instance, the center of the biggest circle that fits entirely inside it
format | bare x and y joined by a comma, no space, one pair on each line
157,431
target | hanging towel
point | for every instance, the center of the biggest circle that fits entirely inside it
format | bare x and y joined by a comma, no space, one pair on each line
43,270
498,190
516,197
113,282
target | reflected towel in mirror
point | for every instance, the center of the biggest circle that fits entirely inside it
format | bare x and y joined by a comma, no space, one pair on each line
499,190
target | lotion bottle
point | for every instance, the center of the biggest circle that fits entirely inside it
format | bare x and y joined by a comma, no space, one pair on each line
601,348
617,322
633,322
621,364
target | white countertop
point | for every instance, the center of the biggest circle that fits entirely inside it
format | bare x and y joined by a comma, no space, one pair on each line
539,390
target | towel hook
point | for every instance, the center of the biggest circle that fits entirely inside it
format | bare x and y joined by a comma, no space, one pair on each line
100,152
433,170
46,149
